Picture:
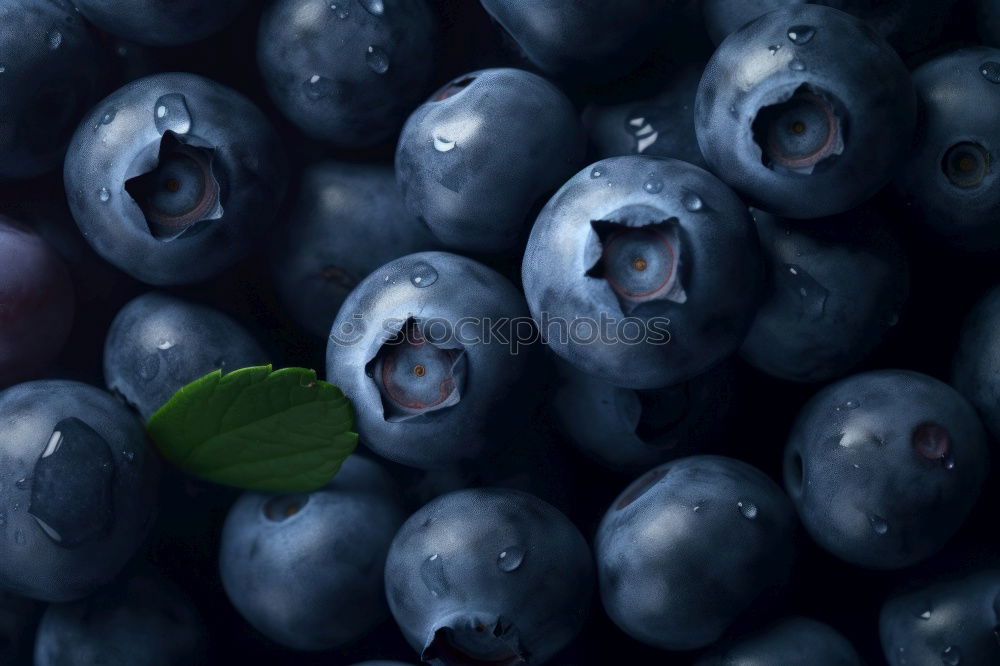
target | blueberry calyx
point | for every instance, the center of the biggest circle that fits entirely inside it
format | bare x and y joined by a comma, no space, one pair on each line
966,164
799,131
474,641
179,192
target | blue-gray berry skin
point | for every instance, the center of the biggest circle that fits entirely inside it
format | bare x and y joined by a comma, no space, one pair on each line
630,431
158,344
349,220
976,372
795,641
142,619
657,259
306,569
724,17
488,576
836,286
173,178
689,546
884,466
50,74
473,160
347,71
806,111
425,349
161,23
950,177
951,621
77,488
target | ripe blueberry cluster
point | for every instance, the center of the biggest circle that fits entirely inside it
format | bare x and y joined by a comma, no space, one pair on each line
669,329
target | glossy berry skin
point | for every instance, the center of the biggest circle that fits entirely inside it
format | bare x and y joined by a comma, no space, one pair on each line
473,160
836,286
661,126
806,111
488,576
724,17
950,177
173,178
161,23
689,546
429,390
988,21
143,619
795,641
884,466
349,220
976,371
630,431
659,254
50,74
77,492
589,42
158,344
37,303
951,622
306,569
346,71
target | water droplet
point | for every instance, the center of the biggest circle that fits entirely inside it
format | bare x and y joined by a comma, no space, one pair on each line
170,113
2,69
377,59
801,34
21,483
103,194
747,508
165,345
423,275
878,524
596,172
510,558
810,293
129,456
692,202
952,656
849,405
342,9
925,615
774,48
318,87
54,39
19,537
653,186
106,119
373,7
797,65
990,71
432,573
442,145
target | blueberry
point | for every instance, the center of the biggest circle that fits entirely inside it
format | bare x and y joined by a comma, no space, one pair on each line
158,344
689,546
949,175
795,641
306,569
884,466
143,619
423,349
643,272
473,160
77,485
977,360
631,431
724,17
50,74
948,622
36,303
173,178
488,576
988,21
584,41
346,71
349,220
806,111
161,23
382,663
836,286
661,126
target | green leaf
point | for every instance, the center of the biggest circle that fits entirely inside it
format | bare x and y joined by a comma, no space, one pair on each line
255,428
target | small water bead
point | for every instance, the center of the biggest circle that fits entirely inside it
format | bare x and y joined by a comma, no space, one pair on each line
774,48
442,145
341,9
925,615
432,574
596,172
21,484
692,202
990,71
318,87
423,275
510,558
165,345
2,69
797,66
170,113
107,118
377,59
952,656
104,195
878,524
849,405
747,508
54,39
653,186
801,34
129,456
373,7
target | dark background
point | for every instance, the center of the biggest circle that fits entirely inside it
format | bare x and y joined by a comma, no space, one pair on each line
185,542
